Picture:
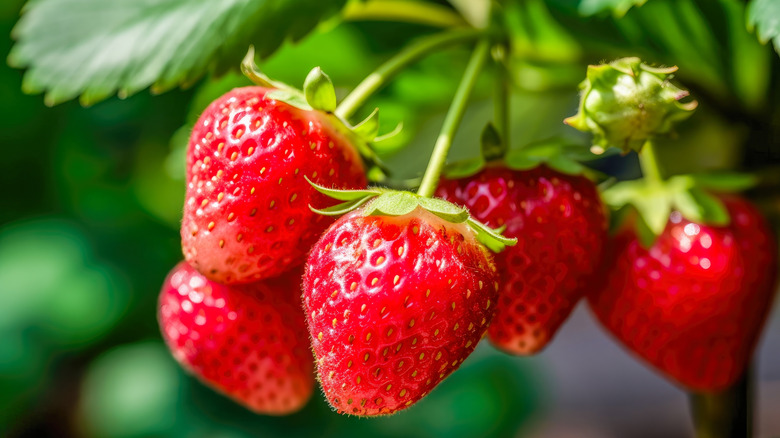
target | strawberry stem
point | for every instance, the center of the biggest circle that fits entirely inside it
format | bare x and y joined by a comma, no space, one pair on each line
648,161
452,119
404,11
726,414
397,63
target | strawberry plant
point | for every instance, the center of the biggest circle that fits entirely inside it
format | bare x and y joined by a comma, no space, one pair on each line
362,233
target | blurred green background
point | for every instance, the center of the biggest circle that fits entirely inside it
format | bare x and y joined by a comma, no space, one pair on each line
92,200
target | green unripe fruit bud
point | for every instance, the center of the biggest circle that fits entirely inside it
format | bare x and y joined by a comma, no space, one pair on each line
625,103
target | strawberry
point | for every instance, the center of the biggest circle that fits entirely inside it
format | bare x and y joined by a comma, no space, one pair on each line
560,226
694,303
246,214
394,304
247,341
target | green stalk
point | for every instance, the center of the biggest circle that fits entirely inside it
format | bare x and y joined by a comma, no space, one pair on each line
726,414
648,161
400,61
404,11
452,120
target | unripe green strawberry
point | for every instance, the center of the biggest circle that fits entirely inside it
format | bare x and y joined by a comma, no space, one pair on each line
626,102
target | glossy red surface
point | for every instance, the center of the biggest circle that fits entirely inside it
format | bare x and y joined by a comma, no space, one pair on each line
394,305
560,226
246,214
249,342
694,304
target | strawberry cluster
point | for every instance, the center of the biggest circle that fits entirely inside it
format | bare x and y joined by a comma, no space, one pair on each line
232,313
397,292
394,300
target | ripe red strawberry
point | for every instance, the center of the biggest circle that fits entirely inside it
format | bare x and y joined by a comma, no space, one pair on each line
560,226
394,304
248,341
246,215
692,305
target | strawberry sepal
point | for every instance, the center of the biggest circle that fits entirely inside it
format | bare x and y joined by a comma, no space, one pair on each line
318,94
385,202
690,195
555,153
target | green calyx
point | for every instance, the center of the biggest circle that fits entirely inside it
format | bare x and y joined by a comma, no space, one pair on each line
556,153
493,147
385,202
319,94
689,194
626,102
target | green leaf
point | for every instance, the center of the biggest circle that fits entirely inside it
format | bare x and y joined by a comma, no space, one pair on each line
95,48
445,210
393,204
319,92
617,7
764,17
344,195
490,237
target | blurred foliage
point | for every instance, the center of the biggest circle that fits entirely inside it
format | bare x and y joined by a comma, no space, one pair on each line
131,391
138,390
57,299
93,196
